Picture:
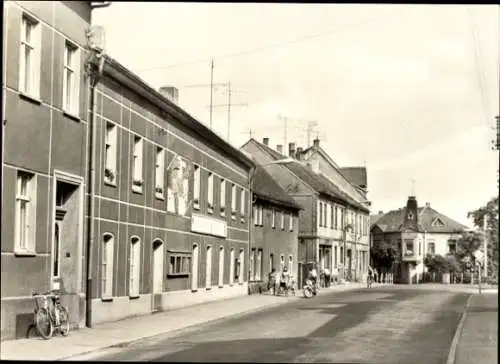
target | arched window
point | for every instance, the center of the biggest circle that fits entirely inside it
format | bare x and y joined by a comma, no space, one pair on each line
134,266
107,266
221,266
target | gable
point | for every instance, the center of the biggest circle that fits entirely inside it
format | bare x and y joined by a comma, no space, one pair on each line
437,222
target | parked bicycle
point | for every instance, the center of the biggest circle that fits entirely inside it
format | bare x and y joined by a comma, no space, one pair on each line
50,315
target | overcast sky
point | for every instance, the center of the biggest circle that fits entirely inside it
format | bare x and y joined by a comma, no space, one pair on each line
412,91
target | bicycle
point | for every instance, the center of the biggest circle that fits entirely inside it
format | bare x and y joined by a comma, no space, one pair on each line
50,315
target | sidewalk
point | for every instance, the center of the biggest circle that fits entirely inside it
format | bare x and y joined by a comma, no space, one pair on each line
91,340
479,337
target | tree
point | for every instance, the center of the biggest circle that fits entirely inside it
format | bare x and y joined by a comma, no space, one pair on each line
491,211
384,256
467,244
440,264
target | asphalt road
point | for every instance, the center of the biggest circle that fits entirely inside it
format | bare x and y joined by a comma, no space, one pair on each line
379,325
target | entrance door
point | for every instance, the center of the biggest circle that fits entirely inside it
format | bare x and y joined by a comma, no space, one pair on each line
157,275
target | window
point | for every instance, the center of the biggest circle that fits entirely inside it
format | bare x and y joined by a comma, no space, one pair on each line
110,153
327,215
222,197
271,262
208,270
437,222
320,214
29,60
342,219
291,221
431,247
408,247
25,213
332,216
282,262
335,257
242,205
71,85
273,218
210,193
135,267
337,225
233,201
137,181
232,268
241,266
194,267
252,264
159,172
221,266
452,246
325,210
107,267
255,216
341,254
260,211
282,216
258,266
180,263
196,192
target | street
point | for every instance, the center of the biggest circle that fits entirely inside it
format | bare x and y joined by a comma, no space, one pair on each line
380,325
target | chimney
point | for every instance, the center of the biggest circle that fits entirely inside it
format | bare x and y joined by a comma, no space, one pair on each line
291,150
171,93
265,141
299,153
279,149
380,212
427,204
316,142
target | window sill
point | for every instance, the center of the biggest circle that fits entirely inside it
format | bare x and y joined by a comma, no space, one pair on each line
208,288
25,254
137,189
194,290
134,297
30,98
177,275
196,207
108,299
71,115
110,183
221,286
159,196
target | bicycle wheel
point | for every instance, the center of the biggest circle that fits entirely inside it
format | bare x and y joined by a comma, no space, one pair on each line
63,320
43,323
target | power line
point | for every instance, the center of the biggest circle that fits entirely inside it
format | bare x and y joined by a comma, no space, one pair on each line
276,45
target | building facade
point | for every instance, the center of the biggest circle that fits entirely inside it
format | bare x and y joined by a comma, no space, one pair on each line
171,204
324,219
275,230
45,127
112,194
416,231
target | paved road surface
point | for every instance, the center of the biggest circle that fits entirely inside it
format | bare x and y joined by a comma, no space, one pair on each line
379,325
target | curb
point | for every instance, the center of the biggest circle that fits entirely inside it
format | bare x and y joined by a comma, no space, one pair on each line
458,333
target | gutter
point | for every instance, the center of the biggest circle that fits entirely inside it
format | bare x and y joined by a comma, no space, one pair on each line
94,74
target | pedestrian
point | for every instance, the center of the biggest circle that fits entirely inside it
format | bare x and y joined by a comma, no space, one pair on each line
327,277
271,281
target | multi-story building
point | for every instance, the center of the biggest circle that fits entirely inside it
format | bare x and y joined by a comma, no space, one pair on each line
274,242
45,128
351,183
323,220
129,208
416,231
172,202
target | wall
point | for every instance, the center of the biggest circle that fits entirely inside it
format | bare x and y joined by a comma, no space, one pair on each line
275,240
126,213
39,137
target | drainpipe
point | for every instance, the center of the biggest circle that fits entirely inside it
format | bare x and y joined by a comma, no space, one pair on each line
95,72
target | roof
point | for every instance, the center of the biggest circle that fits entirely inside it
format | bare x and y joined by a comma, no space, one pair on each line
356,175
126,77
268,189
317,181
393,220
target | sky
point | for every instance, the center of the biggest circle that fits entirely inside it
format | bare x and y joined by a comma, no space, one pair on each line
409,91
